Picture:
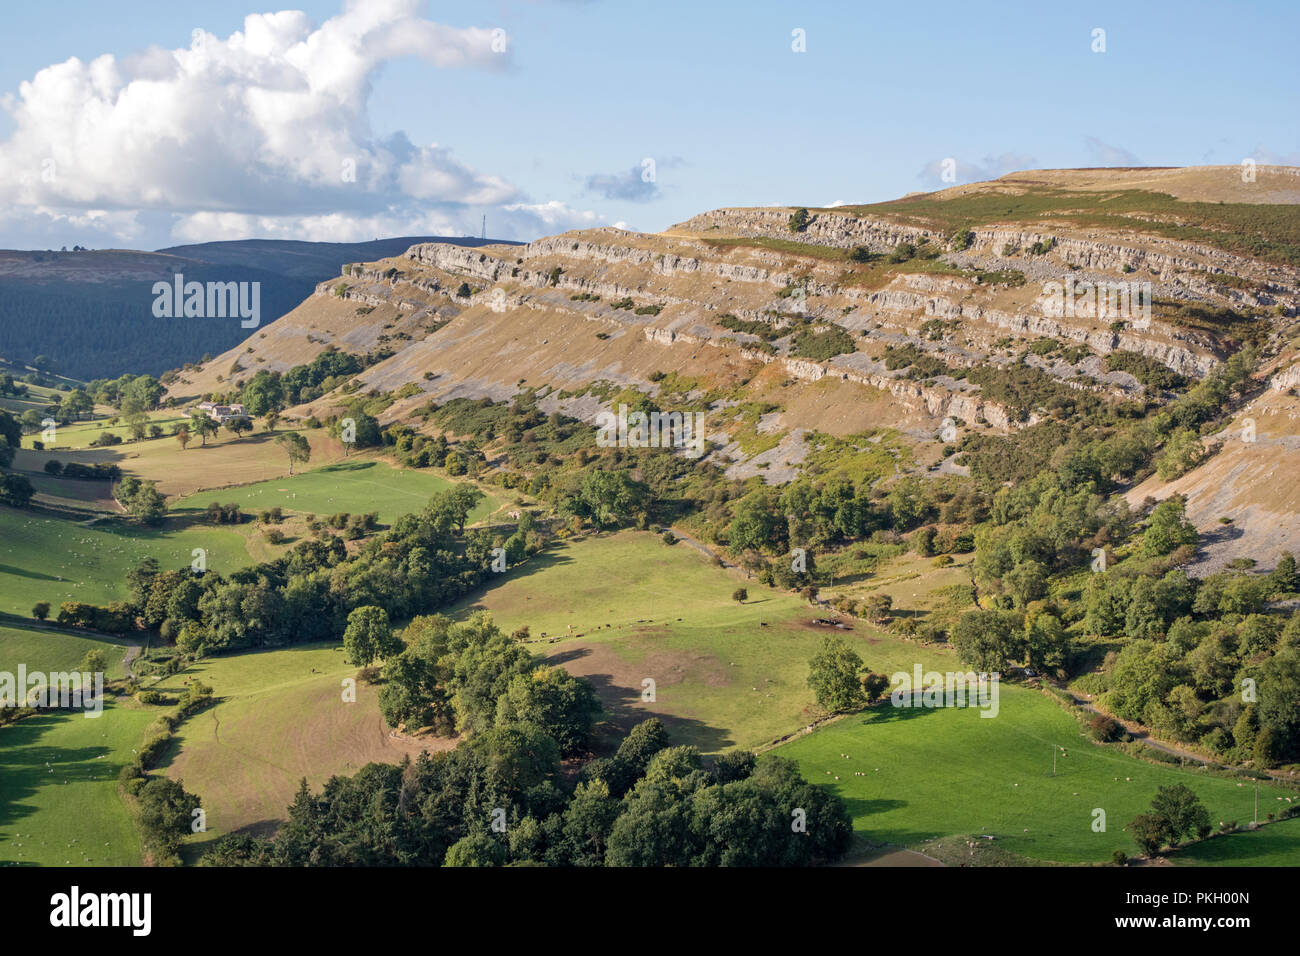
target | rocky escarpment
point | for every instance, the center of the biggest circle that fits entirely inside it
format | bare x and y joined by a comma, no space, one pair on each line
679,289
1192,359
460,264
1286,379
957,400
1167,259
802,321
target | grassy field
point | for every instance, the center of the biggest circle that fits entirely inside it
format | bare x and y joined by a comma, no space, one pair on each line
1276,844
53,650
59,801
358,486
281,717
77,494
224,461
38,397
916,586
950,773
725,674
43,558
79,435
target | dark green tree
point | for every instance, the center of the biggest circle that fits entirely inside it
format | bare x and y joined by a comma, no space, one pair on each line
833,675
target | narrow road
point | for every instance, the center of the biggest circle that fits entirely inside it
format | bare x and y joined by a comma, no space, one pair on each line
699,546
132,652
1143,736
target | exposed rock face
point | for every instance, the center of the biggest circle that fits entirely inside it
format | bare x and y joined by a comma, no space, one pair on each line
676,290
1165,258
719,295
1286,379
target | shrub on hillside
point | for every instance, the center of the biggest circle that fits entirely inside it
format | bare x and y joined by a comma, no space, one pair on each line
1105,729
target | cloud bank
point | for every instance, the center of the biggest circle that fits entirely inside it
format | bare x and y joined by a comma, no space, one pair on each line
263,133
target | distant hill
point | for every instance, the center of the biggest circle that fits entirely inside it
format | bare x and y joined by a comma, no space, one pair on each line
315,261
91,312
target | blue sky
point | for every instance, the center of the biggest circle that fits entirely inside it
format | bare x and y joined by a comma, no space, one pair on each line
552,133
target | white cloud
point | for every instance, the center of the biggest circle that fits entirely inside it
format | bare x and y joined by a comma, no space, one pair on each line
554,214
517,220
264,132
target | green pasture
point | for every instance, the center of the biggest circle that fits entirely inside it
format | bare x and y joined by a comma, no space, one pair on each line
358,487
914,775
54,559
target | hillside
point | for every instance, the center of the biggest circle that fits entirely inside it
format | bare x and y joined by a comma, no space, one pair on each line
933,310
926,421
306,260
1241,498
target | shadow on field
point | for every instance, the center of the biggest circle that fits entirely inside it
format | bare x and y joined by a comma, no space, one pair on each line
17,623
563,657
26,766
845,580
1239,848
860,807
883,713
347,466
193,850
25,573
624,709
908,613
535,565
186,518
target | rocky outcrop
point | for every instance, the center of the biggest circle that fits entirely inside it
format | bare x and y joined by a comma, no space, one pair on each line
933,400
1165,258
1286,379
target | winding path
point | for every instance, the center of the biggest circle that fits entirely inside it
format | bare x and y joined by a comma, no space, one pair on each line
1143,736
132,652
699,546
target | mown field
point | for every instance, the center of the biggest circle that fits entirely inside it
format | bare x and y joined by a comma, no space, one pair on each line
950,773
725,674
77,494
280,717
48,650
224,461
358,486
1276,844
59,802
44,558
38,397
79,435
